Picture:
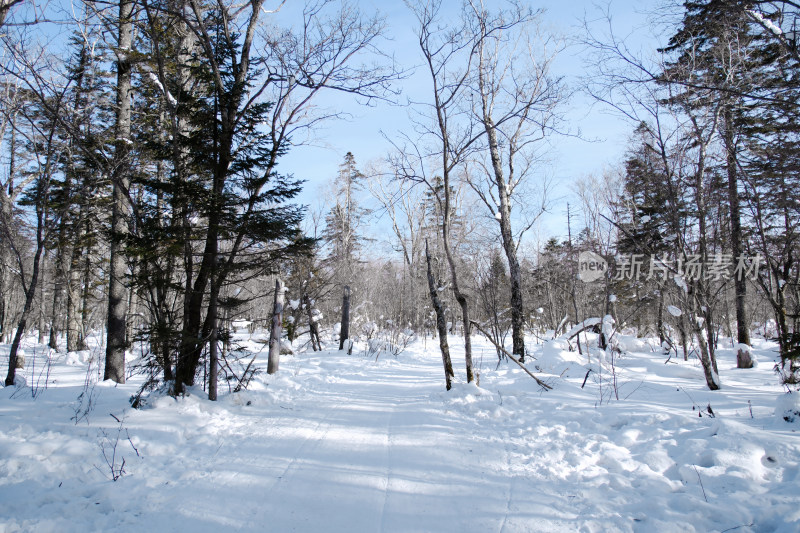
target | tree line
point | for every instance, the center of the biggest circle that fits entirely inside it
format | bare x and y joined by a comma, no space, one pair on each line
142,193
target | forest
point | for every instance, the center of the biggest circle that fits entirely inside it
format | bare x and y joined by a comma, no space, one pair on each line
143,198
449,338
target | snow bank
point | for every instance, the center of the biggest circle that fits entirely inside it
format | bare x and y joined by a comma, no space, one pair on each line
342,443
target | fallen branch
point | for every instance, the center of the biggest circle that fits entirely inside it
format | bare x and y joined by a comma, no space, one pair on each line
538,381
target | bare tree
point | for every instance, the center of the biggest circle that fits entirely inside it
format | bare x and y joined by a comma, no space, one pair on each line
5,9
680,135
451,138
516,102
40,132
404,205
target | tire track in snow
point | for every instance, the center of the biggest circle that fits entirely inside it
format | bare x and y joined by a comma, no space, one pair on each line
314,437
388,464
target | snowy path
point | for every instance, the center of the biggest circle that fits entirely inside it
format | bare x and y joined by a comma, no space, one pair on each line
366,454
340,443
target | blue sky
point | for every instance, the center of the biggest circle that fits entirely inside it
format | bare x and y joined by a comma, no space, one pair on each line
603,135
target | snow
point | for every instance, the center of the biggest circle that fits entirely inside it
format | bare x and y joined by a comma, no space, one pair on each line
788,408
155,81
589,322
240,324
674,311
342,443
766,22
608,326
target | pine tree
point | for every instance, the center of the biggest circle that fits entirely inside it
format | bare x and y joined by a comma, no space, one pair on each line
344,221
493,295
78,193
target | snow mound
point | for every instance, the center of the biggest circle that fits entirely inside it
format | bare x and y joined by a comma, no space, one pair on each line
475,402
787,408
631,343
78,358
557,359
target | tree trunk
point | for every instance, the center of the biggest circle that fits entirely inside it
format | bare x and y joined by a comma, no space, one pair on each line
712,377
684,337
120,175
195,329
73,300
344,330
275,330
30,293
58,292
441,324
313,327
86,292
660,316
461,298
42,322
701,306
2,297
743,359
779,308
509,246
213,355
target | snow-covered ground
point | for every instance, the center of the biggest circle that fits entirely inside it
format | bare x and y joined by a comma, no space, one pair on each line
346,443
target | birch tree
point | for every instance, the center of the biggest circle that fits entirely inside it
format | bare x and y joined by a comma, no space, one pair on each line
445,137
516,101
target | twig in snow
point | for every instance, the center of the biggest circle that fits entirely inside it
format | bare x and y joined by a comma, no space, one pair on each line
634,390
701,483
695,406
586,377
108,446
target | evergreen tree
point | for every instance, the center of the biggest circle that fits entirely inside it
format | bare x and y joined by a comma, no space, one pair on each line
344,221
493,295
